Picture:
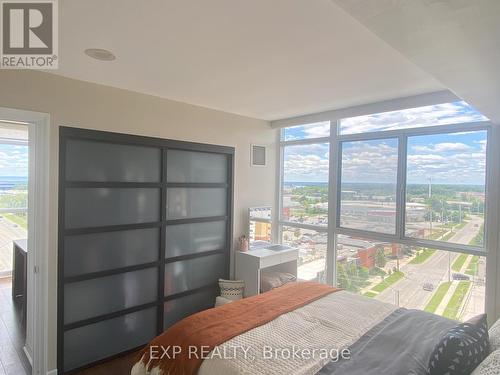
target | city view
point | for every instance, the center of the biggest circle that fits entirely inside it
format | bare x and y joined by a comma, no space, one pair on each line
13,217
13,190
446,283
444,201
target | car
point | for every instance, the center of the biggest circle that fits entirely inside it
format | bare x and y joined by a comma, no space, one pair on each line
460,276
428,287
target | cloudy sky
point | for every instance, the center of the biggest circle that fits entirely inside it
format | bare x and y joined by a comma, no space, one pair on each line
308,163
447,159
432,115
13,160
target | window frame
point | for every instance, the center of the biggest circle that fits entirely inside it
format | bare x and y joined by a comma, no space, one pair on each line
338,182
277,229
403,135
333,228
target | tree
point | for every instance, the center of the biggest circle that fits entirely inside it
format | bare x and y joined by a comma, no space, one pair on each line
342,279
380,260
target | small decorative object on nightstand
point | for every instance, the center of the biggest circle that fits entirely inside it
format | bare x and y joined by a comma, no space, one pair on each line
243,243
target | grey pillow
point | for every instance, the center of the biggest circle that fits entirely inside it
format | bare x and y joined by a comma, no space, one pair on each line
271,280
494,333
490,365
461,349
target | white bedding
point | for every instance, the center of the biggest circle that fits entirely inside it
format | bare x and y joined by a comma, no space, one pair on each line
333,322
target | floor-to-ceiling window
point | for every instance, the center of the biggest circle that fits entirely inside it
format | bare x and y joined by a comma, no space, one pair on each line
409,200
303,211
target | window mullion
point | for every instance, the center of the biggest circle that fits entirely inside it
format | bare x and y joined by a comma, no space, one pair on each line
277,233
401,187
333,178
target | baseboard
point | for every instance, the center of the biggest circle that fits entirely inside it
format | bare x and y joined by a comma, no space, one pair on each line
28,355
52,372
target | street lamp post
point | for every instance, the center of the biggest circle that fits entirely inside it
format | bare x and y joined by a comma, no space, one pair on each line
449,266
430,206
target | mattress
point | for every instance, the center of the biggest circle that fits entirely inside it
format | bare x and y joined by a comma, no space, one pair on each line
300,342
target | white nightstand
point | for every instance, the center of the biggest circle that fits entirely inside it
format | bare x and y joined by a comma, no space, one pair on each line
250,264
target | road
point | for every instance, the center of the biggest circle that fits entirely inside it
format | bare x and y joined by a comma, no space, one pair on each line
411,293
8,232
468,232
435,270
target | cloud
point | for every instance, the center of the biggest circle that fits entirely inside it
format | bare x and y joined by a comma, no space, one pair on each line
458,158
306,163
13,160
450,164
433,115
315,130
321,129
370,161
443,147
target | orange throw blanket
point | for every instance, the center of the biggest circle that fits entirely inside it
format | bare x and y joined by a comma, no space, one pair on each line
201,332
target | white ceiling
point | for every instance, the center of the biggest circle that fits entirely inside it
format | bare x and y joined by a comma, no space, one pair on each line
457,41
266,59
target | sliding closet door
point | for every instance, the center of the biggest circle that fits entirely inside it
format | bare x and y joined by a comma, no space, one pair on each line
144,234
197,232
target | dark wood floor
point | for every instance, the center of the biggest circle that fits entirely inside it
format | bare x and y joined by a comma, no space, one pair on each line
13,361
119,366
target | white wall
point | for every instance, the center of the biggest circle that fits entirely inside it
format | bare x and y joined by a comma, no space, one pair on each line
81,104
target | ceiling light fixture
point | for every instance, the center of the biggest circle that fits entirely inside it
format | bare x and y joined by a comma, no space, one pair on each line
100,54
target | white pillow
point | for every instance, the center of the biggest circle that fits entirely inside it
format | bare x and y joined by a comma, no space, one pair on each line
490,365
494,334
231,289
219,301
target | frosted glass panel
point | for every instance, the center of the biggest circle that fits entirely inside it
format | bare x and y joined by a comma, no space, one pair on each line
96,297
101,161
195,238
184,203
180,308
105,251
189,166
94,207
194,273
97,341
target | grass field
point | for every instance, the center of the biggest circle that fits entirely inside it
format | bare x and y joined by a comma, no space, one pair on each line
472,266
478,239
17,219
389,280
451,310
447,236
422,256
460,226
437,297
370,294
436,234
459,262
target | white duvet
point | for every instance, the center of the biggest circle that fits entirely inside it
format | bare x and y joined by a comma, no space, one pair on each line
329,324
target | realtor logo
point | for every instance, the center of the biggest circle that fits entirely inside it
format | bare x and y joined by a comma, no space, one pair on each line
29,34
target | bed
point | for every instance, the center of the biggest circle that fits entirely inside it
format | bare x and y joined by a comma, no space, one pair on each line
326,331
